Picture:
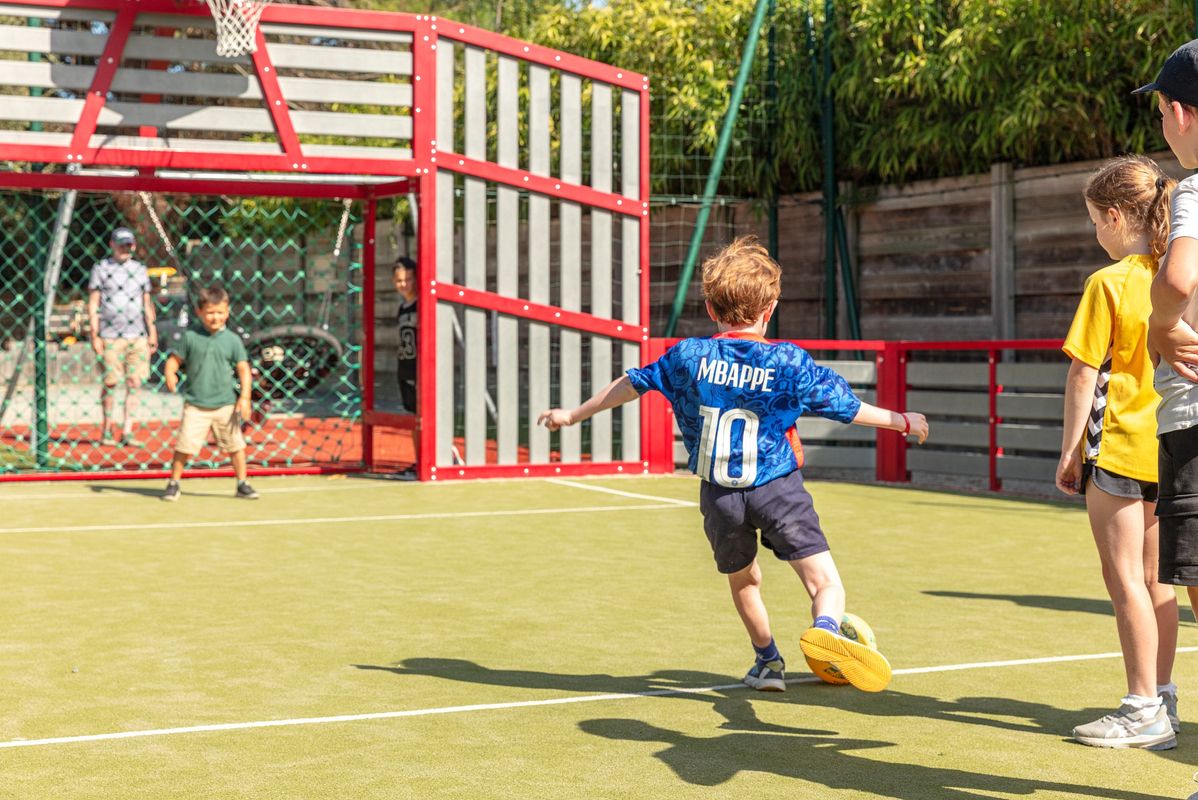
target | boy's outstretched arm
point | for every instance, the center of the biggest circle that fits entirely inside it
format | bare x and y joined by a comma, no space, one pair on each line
616,393
1169,335
910,423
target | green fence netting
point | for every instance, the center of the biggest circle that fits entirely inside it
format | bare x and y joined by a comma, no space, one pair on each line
294,302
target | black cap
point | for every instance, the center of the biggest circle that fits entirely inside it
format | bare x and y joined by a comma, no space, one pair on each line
1179,77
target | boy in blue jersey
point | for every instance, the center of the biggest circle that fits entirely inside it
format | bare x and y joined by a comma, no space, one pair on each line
736,397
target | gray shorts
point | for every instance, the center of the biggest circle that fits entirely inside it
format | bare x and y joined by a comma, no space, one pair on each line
1177,507
781,509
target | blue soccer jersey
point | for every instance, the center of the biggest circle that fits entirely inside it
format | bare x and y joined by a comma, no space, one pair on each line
737,397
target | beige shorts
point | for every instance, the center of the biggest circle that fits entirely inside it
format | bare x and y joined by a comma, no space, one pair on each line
224,422
126,360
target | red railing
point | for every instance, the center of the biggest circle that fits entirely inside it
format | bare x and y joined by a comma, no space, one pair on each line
891,359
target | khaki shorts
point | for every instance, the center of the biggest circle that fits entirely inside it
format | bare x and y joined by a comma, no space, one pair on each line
224,422
126,360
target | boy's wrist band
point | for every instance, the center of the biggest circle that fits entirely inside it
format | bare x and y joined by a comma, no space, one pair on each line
906,424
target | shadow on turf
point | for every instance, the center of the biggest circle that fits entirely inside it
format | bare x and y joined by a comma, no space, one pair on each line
711,761
1084,605
735,703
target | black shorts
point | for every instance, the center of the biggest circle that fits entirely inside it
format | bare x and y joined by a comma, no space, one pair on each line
1177,507
407,394
1117,485
781,509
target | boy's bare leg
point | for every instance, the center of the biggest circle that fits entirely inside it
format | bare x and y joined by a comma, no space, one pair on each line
822,581
177,464
746,596
1118,527
1164,600
238,460
107,401
131,388
864,667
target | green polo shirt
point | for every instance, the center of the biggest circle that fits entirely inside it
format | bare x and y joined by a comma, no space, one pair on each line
209,360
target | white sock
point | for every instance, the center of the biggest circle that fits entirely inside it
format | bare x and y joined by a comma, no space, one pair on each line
1169,687
1141,703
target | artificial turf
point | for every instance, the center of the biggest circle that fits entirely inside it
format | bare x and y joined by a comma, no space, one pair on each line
357,596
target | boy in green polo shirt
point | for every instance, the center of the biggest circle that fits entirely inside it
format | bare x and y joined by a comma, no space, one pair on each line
208,358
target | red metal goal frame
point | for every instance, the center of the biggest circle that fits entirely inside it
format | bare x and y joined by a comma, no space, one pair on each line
412,175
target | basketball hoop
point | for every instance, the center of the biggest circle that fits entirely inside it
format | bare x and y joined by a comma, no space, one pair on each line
236,25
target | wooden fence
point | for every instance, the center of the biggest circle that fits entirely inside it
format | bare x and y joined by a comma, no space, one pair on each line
1002,255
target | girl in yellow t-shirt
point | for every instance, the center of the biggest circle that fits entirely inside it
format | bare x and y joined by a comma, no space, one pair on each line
1109,448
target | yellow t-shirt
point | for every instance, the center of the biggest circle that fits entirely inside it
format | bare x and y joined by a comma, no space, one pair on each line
1112,323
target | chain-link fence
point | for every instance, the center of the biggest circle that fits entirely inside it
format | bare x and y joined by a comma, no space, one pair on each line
293,272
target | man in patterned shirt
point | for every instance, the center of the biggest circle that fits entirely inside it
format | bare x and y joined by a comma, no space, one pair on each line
737,397
120,313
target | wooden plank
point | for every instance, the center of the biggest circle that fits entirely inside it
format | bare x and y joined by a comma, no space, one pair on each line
373,35
827,430
24,39
601,262
818,456
446,203
1031,405
947,375
570,248
203,118
539,229
630,260
1021,377
857,373
46,12
507,257
1040,438
341,59
474,231
206,84
960,434
1027,468
955,404
974,464
1002,250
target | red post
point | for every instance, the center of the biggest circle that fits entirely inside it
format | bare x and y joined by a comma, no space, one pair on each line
995,421
657,439
367,367
891,464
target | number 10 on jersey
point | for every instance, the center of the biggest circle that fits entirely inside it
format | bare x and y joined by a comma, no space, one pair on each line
715,446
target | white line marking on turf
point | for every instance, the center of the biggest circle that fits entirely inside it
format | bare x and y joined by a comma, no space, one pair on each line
258,523
605,490
118,494
556,701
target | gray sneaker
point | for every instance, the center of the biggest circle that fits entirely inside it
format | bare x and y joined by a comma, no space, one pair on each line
1130,727
767,677
245,492
1169,700
171,493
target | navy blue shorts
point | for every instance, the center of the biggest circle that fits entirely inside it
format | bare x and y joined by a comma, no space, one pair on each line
781,509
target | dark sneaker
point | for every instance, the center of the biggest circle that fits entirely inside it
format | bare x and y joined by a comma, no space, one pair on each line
861,665
1169,700
107,437
245,491
767,677
172,492
1130,727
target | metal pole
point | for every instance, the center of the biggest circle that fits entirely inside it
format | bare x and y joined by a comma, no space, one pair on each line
829,147
717,164
771,89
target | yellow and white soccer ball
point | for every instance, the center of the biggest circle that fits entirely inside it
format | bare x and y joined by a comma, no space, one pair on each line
852,627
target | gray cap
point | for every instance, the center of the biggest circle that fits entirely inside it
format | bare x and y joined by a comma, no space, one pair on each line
123,236
1178,78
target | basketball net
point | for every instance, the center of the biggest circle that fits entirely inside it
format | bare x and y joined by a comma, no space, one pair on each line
236,25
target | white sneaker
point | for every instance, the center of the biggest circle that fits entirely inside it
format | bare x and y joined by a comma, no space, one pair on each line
767,677
1169,701
1130,727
